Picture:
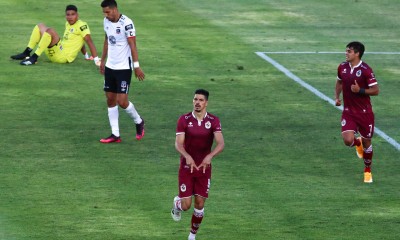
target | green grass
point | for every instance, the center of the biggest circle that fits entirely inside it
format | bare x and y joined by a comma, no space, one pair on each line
284,174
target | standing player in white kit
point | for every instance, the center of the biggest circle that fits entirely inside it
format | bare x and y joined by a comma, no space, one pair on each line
121,54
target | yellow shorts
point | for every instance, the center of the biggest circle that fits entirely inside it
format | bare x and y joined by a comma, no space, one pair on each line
57,54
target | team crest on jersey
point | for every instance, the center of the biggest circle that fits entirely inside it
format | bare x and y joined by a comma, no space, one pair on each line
118,31
344,70
343,122
183,188
358,73
71,30
190,124
123,86
208,125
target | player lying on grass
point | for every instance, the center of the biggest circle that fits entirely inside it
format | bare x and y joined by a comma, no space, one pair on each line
60,50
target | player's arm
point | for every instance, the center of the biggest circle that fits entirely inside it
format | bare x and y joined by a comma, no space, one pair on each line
372,91
219,147
338,91
104,54
138,71
179,146
92,47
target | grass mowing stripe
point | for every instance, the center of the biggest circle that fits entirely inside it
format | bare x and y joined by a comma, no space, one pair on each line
320,94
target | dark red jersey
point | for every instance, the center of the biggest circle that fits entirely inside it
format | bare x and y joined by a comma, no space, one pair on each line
199,135
363,74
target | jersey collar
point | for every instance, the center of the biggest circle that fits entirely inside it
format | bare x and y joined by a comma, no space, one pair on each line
194,116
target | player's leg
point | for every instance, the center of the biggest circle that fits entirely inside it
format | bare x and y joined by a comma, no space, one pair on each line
197,216
183,201
349,128
33,41
201,189
49,38
124,79
112,107
366,129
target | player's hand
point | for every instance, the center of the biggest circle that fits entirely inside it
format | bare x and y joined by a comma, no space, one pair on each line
190,162
97,61
102,67
338,102
205,163
355,88
139,74
88,57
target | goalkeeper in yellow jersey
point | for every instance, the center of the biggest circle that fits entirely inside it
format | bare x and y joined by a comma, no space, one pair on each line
59,50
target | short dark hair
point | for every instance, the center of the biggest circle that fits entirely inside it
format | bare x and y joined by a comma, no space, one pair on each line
202,92
357,47
71,7
109,3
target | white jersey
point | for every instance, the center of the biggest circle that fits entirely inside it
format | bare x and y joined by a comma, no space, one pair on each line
119,55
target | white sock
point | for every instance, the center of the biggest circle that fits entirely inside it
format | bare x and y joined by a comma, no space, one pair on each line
178,205
192,236
131,111
198,212
113,115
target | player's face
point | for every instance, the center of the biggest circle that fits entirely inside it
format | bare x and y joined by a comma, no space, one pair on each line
111,14
351,55
199,103
71,16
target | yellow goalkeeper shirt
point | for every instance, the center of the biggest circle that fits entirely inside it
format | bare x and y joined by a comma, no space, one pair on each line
73,38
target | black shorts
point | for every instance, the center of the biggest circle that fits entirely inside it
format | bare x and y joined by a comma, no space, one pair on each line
117,81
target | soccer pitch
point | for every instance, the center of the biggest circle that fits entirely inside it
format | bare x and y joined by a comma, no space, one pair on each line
284,173
266,57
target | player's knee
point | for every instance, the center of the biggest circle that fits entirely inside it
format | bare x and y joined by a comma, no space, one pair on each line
348,142
123,104
185,205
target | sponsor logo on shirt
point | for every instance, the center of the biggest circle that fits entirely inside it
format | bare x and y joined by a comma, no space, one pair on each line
128,27
112,40
84,27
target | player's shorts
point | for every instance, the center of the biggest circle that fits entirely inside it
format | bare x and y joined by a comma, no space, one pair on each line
117,81
56,53
363,123
196,183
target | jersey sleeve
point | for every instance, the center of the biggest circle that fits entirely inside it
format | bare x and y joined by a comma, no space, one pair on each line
370,76
217,125
180,127
84,29
129,29
338,72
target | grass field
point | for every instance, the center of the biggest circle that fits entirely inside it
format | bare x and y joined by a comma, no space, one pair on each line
284,173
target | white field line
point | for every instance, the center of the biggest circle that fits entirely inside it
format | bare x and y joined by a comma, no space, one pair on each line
281,68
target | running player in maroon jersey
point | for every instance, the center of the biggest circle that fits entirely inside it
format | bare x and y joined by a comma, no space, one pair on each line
357,82
195,133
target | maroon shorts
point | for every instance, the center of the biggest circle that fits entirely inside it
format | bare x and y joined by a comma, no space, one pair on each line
196,183
361,122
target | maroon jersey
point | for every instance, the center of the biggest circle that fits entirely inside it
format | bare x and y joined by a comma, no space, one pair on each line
363,74
199,135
